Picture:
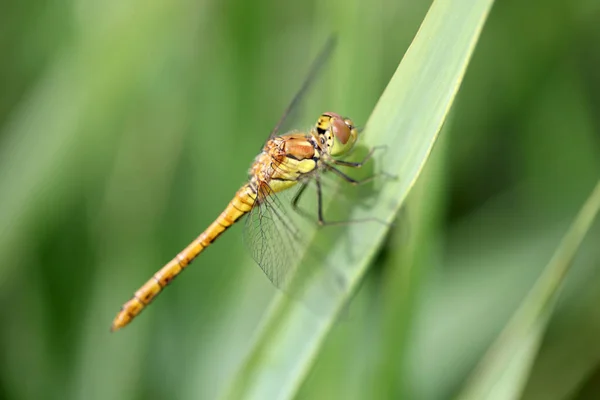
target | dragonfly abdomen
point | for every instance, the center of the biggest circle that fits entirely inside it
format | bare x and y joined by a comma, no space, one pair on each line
241,204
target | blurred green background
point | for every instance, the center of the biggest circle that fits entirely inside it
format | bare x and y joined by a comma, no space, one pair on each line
125,127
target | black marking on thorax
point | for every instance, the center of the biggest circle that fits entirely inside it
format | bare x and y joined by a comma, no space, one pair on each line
314,143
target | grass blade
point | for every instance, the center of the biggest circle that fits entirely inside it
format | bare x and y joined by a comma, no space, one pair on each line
503,371
407,119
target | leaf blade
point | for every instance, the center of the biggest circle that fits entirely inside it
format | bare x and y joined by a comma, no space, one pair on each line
407,119
503,371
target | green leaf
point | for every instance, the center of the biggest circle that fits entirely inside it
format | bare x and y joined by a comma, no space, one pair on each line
503,371
407,119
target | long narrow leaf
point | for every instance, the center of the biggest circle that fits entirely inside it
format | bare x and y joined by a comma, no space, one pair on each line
407,120
503,371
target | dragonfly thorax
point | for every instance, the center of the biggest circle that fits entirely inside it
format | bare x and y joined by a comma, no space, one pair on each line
284,161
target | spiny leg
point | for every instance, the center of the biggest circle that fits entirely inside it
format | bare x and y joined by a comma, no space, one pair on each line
319,202
298,194
304,213
296,199
359,163
322,221
350,180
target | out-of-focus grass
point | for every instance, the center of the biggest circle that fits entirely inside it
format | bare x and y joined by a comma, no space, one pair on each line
126,127
504,369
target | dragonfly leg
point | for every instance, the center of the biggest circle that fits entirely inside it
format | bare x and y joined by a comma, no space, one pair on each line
296,199
319,202
298,194
350,180
322,221
359,163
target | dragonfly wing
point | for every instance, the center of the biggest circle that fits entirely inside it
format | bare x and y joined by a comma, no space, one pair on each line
277,238
315,68
273,238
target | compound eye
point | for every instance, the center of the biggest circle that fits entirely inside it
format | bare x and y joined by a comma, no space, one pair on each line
340,129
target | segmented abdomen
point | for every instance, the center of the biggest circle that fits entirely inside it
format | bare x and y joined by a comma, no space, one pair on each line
240,205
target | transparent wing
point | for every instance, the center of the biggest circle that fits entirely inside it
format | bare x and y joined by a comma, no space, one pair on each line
274,238
315,68
277,237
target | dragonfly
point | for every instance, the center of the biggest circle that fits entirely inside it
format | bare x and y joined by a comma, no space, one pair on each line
287,160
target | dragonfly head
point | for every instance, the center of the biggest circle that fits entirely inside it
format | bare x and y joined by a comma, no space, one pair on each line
335,133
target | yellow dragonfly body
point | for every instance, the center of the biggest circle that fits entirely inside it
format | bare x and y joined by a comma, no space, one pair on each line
284,162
